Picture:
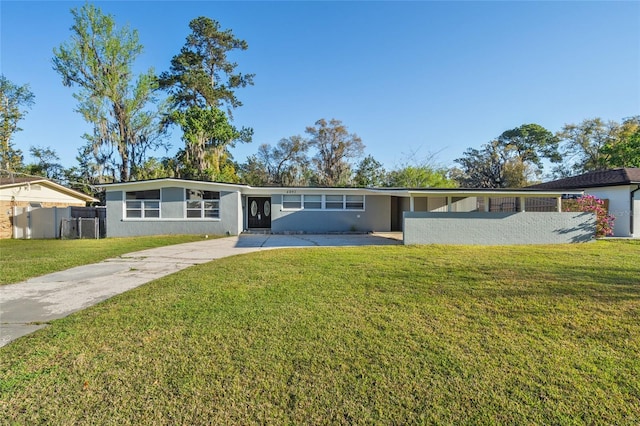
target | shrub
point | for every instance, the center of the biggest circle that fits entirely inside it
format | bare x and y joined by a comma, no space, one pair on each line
591,203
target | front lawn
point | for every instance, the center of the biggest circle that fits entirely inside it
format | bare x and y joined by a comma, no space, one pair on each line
370,335
23,259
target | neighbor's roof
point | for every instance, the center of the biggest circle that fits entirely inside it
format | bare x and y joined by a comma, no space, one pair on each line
11,182
614,177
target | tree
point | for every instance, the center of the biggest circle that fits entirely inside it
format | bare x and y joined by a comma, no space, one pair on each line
208,136
99,59
582,145
92,169
47,163
624,151
335,148
14,102
530,144
421,176
514,159
201,75
483,168
200,81
285,164
370,173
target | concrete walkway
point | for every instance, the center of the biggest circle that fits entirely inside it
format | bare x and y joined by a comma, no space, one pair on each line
28,306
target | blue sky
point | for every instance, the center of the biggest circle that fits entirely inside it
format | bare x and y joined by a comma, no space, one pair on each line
410,78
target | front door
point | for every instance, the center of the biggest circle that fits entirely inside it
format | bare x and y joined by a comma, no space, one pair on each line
259,212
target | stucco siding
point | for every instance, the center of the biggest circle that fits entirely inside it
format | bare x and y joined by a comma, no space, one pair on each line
619,206
498,228
172,220
636,215
172,206
376,216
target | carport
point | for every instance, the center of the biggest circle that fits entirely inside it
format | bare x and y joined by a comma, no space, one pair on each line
493,216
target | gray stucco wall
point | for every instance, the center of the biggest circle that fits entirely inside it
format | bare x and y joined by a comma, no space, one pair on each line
375,217
172,219
482,228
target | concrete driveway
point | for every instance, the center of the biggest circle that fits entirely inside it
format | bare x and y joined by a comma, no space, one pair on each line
30,305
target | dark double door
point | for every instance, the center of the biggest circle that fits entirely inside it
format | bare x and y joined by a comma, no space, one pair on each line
259,211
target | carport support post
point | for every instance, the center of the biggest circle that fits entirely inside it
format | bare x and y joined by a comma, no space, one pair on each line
486,204
449,205
522,204
412,203
559,203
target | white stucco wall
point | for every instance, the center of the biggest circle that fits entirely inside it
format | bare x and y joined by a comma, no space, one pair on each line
620,207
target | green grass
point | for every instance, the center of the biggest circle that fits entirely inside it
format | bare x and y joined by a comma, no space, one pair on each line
23,259
372,335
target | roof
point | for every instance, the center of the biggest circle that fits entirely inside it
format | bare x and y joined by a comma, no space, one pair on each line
402,192
11,182
8,181
614,177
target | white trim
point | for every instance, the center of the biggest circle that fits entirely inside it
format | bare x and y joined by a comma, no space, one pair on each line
403,192
186,209
142,208
171,219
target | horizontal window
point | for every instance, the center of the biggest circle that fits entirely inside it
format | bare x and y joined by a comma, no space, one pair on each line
142,204
354,202
291,201
323,202
202,204
153,194
334,202
313,201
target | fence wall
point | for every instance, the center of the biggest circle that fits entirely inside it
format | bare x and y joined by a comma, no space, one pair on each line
58,222
498,228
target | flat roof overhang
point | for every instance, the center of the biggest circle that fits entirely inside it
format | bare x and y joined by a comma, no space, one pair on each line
478,192
398,192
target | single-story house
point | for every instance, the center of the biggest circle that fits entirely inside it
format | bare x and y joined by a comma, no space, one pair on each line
620,187
26,193
470,216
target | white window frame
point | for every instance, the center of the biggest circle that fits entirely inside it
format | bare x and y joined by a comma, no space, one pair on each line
290,198
202,206
144,208
334,201
303,204
312,199
346,202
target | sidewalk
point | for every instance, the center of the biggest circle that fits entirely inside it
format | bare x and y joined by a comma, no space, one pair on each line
28,306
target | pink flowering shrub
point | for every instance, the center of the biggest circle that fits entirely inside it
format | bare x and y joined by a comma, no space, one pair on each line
591,203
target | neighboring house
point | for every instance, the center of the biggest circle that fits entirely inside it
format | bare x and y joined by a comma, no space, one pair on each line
474,216
621,187
31,193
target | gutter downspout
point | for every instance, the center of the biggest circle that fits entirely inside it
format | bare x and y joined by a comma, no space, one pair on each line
631,216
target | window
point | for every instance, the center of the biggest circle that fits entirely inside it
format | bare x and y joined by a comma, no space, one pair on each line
313,201
334,202
355,202
291,202
142,204
323,202
202,204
